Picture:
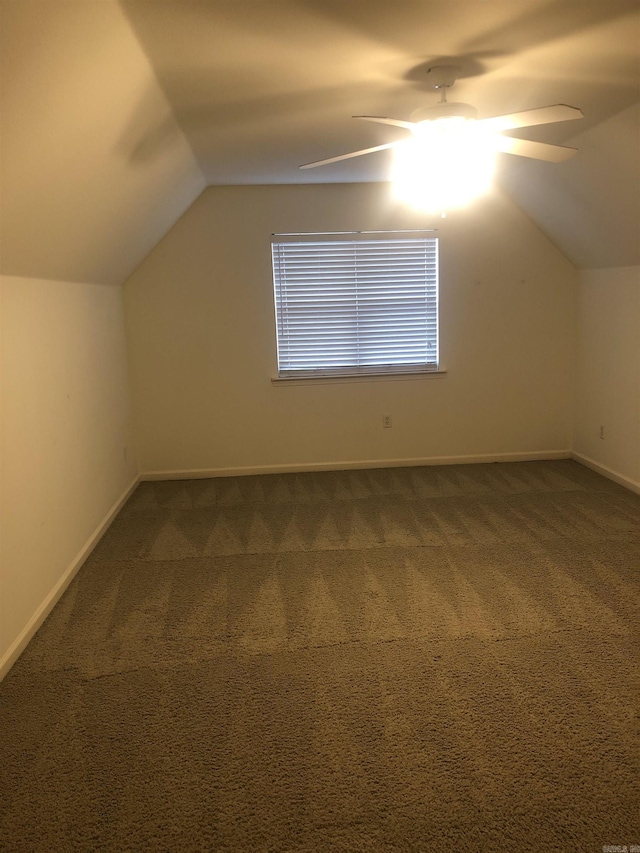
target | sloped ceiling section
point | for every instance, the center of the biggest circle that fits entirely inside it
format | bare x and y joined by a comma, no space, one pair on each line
261,87
116,113
80,200
591,207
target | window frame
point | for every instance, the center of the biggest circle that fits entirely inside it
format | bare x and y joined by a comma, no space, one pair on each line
375,371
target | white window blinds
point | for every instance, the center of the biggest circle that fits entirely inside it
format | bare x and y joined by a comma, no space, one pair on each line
350,304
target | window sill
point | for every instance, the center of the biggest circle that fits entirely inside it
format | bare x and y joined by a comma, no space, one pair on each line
357,377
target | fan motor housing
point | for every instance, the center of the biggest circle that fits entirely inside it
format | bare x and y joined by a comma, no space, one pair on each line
444,110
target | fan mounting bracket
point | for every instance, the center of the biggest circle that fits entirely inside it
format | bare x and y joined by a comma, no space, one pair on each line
443,76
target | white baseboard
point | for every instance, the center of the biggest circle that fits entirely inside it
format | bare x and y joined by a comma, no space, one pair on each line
18,646
627,482
344,465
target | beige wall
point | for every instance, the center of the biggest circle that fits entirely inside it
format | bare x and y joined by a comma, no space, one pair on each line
65,423
202,343
608,372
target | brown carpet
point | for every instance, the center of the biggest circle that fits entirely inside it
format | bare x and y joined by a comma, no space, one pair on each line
421,659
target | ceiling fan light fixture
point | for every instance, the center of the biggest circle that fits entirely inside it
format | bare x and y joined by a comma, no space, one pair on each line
455,150
449,163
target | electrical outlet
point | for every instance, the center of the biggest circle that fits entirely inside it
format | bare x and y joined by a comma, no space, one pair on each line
386,421
602,432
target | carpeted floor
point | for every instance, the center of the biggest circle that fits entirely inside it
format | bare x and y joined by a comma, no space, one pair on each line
421,659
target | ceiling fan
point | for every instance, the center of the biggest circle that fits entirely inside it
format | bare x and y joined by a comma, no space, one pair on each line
425,119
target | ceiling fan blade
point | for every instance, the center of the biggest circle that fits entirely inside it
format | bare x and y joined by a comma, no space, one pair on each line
347,156
408,125
529,118
536,150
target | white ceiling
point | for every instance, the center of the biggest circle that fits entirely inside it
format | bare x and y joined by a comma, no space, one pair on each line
116,114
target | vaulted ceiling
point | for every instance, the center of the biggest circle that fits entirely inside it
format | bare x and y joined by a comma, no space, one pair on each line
115,115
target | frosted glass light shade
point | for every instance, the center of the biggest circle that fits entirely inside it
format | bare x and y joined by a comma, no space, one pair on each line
448,163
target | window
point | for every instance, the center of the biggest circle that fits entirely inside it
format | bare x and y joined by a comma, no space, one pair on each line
351,304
